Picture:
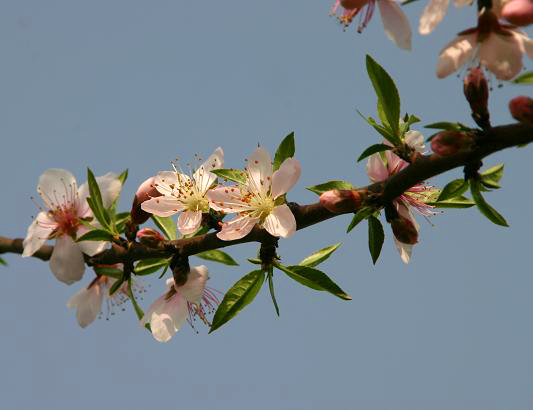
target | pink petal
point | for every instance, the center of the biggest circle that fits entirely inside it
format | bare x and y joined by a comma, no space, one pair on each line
189,222
455,54
162,206
237,228
280,222
395,23
432,15
259,167
203,177
166,182
193,289
227,199
285,177
38,232
502,55
56,186
376,169
67,262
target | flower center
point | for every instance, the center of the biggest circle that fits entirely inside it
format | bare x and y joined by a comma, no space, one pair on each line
67,219
263,206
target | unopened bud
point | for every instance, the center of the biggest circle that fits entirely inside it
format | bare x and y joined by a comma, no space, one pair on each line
522,109
146,191
149,237
404,230
353,4
476,91
518,12
447,143
341,201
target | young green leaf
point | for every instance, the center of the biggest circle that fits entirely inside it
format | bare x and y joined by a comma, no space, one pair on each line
99,213
314,279
285,150
136,306
361,214
385,132
166,225
149,266
491,177
111,272
328,186
376,236
95,201
120,221
123,176
526,78
319,256
387,93
96,235
116,286
255,261
372,150
235,175
238,297
451,126
3,262
483,206
217,256
453,189
457,202
270,275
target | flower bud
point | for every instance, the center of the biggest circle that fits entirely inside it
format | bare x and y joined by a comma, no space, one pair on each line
522,109
518,12
404,230
146,191
476,91
353,4
341,201
149,237
447,143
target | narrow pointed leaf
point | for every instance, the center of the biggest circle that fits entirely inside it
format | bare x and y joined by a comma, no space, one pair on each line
372,150
376,236
270,276
3,262
526,78
217,256
484,207
96,235
95,201
319,256
491,177
235,175
328,186
139,312
361,214
166,225
455,188
285,150
255,261
111,272
458,202
149,266
385,132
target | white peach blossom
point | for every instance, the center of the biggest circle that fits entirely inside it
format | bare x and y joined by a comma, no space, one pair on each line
434,12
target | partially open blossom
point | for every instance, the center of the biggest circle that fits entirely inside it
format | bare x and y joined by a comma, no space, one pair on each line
522,109
476,90
259,200
146,191
394,20
434,12
447,143
341,201
181,303
518,12
66,206
149,237
185,194
404,230
498,47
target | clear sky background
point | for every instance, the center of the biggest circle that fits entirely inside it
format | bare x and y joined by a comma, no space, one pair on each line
133,84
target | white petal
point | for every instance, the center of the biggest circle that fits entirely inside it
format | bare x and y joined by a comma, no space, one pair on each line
527,43
432,15
189,222
162,206
90,248
395,23
237,228
193,289
38,232
166,316
376,169
260,170
280,222
203,177
167,181
227,199
285,177
404,249
455,54
405,211
502,55
57,186
110,187
462,3
67,262
88,303
415,140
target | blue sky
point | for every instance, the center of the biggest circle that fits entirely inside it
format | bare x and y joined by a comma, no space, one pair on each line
133,84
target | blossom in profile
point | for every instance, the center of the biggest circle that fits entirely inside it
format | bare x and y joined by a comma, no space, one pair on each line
434,12
65,206
394,20
184,193
180,304
260,200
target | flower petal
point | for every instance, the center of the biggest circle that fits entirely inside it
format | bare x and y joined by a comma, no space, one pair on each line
432,15
162,206
88,303
502,55
189,221
455,54
395,23
57,186
285,177
260,171
376,168
415,140
237,228
404,249
110,187
166,316
193,289
38,232
227,199
67,262
203,178
166,182
90,248
280,222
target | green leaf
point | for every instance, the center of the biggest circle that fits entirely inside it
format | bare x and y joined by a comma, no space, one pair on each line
136,306
120,221
285,150
319,256
123,176
386,91
457,202
96,235
328,186
361,214
314,279
404,3
95,201
3,262
217,256
372,150
166,225
376,236
270,276
491,177
116,286
235,175
526,78
238,297
385,132
111,272
483,206
453,189
255,261
149,266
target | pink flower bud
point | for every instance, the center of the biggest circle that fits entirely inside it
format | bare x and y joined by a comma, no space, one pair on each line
518,12
146,191
522,109
341,201
149,237
476,91
404,230
353,4
447,143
